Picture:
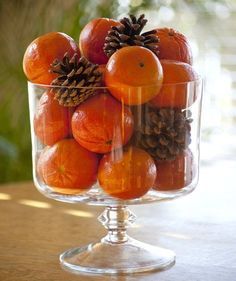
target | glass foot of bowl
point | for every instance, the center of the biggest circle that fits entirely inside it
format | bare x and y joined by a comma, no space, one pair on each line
117,253
105,257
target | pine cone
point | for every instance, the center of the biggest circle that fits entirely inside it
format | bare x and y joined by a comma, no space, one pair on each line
79,77
164,133
129,34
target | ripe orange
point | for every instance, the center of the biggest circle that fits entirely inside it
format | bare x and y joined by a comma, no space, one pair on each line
102,123
67,167
173,45
175,91
51,120
92,39
101,69
175,174
42,52
127,174
133,75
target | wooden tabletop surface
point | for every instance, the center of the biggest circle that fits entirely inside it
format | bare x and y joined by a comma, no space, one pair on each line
200,228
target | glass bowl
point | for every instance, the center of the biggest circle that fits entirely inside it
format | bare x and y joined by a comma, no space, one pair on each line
104,152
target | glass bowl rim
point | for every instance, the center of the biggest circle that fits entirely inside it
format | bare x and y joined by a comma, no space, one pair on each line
198,81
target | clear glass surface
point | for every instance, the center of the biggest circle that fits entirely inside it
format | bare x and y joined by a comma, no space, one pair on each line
166,134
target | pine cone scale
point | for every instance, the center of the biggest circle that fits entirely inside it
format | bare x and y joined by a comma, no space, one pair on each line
124,45
123,37
71,74
81,83
150,40
65,83
139,37
140,19
73,84
73,93
151,32
138,43
114,44
79,71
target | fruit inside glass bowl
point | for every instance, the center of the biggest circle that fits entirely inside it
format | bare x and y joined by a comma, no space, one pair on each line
135,153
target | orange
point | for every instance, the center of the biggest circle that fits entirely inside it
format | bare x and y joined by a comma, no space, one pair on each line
102,123
127,174
101,69
175,174
40,54
176,91
173,45
133,75
92,39
70,113
51,120
67,165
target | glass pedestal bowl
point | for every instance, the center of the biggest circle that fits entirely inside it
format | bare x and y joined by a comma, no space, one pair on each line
167,134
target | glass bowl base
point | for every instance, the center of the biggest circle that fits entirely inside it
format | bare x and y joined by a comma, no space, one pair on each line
128,257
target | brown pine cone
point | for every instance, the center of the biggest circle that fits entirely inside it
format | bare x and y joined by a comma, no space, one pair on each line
129,34
163,133
78,76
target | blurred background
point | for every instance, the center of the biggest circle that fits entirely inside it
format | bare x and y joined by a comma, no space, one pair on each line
209,25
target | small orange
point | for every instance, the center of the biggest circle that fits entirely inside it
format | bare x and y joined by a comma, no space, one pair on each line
101,69
102,123
67,166
133,75
127,174
173,45
51,120
175,174
92,39
176,92
40,54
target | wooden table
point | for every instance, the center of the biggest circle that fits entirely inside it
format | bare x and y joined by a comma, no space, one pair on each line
200,228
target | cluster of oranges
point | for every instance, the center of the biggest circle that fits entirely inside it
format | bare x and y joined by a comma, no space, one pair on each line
91,141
